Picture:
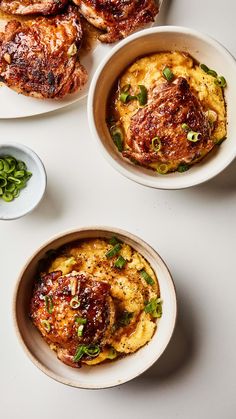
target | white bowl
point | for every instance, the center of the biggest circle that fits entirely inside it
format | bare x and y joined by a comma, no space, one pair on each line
32,194
109,374
166,38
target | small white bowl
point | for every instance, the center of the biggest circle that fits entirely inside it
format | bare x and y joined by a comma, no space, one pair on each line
166,38
108,374
33,193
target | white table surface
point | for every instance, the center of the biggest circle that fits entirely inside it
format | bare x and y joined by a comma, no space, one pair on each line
194,231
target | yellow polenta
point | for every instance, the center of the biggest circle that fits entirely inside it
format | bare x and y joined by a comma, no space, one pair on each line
129,290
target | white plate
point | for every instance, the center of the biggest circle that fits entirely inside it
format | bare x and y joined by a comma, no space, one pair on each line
14,105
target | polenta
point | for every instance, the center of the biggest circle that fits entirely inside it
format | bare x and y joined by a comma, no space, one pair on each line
166,112
96,300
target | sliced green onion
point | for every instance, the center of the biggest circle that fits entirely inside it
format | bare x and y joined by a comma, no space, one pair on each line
193,136
112,354
220,81
156,144
7,196
74,302
204,68
167,73
154,307
125,93
147,277
46,325
3,181
183,167
49,303
120,262
142,96
125,318
21,165
162,169
80,330
1,191
212,73
117,137
124,97
79,353
185,127
81,320
113,241
13,177
90,350
114,251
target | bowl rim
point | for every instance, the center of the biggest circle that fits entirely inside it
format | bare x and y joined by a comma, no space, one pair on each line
116,164
43,176
57,377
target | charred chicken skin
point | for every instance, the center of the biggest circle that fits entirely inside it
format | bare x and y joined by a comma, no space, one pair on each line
171,106
27,7
117,18
70,311
39,57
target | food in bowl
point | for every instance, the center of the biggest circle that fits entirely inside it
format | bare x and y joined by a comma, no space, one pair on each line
95,300
166,112
13,177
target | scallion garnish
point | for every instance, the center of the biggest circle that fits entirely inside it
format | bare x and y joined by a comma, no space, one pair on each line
46,325
204,68
112,354
162,169
183,167
117,137
125,318
81,320
156,144
220,81
114,251
90,350
74,302
49,303
13,177
154,307
113,241
80,330
185,127
147,277
142,96
193,136
120,262
167,73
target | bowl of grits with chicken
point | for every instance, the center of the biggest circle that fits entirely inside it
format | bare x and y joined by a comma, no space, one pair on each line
160,107
95,307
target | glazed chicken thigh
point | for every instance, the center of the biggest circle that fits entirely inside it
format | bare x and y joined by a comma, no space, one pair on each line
117,18
26,7
39,57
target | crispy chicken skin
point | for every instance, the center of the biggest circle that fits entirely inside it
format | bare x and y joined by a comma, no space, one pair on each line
172,105
95,305
39,57
26,7
118,18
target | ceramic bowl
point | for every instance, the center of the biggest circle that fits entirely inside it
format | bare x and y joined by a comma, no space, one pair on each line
110,374
33,193
166,38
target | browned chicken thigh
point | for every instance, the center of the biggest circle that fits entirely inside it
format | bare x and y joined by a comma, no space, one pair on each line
26,7
70,310
117,18
39,57
172,105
